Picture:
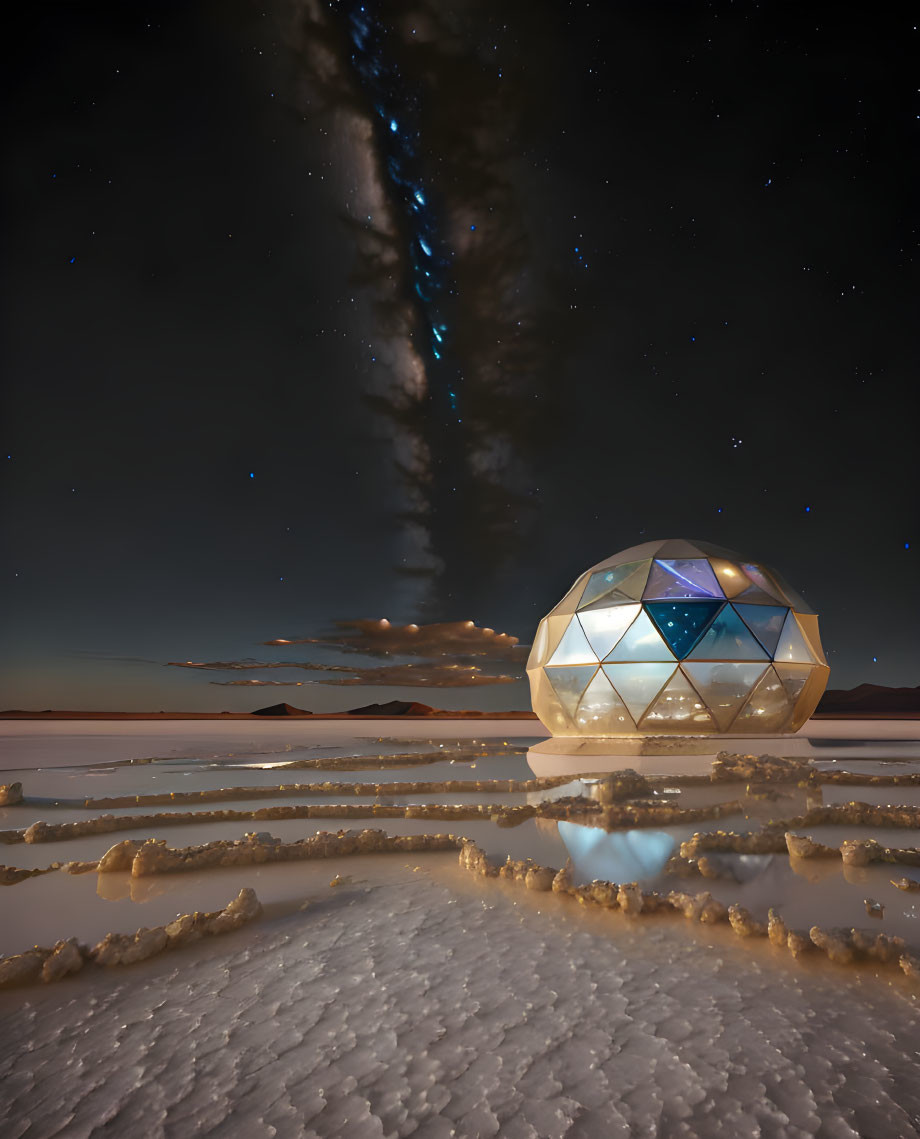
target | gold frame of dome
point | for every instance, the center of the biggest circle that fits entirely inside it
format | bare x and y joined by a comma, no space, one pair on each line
677,638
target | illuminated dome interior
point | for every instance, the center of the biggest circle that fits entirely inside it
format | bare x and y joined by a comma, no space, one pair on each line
677,637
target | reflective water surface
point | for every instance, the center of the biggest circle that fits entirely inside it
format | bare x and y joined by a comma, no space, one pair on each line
401,979
139,771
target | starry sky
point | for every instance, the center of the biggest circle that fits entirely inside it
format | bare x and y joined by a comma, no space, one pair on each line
321,313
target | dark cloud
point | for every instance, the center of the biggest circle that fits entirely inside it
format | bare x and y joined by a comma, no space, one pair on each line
259,683
411,675
421,676
459,639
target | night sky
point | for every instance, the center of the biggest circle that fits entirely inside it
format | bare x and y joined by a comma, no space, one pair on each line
317,314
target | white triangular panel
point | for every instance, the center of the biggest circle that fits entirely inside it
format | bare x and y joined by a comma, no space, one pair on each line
574,647
604,627
808,623
641,642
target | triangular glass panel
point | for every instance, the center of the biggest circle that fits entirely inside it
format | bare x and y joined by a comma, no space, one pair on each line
643,552
724,686
641,642
682,623
538,649
601,710
810,695
765,622
711,550
678,708
604,627
790,596
569,684
547,704
638,684
760,577
808,623
728,638
615,597
689,577
793,648
607,581
678,548
574,647
794,678
730,576
633,585
754,595
569,603
555,627
768,709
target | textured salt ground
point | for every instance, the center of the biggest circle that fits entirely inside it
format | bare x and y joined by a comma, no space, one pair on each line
420,1006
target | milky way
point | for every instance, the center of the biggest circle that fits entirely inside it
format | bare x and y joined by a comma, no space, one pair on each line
424,119
395,107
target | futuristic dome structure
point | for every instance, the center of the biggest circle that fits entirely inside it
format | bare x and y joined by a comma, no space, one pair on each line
677,638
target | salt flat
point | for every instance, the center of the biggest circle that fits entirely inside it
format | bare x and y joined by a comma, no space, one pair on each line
418,1007
416,999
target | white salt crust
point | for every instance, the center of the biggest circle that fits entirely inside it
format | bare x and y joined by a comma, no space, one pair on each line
423,1008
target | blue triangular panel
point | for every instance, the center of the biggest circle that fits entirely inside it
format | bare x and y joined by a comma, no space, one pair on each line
682,623
765,622
728,638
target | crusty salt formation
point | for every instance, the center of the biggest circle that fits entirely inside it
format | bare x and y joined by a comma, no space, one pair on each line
68,956
843,946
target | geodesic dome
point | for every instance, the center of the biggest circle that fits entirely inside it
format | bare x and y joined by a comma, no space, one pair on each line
677,637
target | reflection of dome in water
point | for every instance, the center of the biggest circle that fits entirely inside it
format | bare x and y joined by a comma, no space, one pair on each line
677,637
618,856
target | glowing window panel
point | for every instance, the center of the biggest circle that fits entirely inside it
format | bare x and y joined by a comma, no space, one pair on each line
574,647
604,627
638,684
684,577
682,623
641,642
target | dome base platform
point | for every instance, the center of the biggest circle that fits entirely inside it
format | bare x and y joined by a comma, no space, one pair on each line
664,755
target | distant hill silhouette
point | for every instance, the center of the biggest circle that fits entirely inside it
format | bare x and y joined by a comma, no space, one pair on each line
394,708
870,699
281,710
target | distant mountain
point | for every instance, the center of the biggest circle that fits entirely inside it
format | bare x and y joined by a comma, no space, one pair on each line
870,699
394,708
281,710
